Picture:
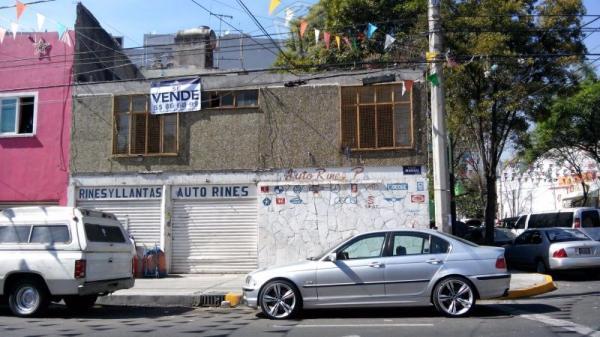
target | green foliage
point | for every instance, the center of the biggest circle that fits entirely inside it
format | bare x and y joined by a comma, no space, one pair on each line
573,124
349,18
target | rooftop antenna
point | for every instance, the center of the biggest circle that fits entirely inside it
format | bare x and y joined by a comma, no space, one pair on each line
220,16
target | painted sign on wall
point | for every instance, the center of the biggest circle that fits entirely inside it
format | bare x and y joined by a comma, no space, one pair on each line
180,95
119,192
213,191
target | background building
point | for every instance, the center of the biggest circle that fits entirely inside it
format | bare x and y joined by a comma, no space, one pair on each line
35,115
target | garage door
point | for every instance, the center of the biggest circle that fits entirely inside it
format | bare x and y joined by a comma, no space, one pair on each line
141,218
214,236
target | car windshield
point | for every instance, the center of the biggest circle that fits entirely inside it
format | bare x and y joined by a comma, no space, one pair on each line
562,235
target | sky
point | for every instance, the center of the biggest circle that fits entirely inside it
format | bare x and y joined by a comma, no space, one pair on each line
134,18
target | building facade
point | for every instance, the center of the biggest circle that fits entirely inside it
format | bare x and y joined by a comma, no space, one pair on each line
35,116
260,173
547,185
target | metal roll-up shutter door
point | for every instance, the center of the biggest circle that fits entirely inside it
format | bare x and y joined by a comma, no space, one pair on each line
141,218
214,236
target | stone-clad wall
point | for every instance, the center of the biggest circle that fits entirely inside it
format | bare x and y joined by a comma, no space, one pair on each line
308,211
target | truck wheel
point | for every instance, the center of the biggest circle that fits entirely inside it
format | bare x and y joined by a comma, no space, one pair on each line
77,303
28,298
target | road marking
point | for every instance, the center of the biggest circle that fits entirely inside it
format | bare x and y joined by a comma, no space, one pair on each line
555,322
564,324
353,325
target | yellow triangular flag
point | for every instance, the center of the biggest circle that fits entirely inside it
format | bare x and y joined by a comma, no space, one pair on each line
273,5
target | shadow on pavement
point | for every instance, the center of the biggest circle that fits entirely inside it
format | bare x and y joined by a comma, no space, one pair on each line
106,312
577,275
480,311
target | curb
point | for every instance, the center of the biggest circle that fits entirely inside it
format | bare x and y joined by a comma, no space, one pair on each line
547,286
191,300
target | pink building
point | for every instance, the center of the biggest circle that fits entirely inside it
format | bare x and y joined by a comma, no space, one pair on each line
35,117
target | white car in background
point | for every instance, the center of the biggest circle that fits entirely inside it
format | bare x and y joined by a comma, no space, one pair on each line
50,254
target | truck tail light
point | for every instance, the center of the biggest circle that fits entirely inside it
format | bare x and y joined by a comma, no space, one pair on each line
577,223
79,269
560,253
501,262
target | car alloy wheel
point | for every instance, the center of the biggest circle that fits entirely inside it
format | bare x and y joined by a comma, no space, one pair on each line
279,300
454,297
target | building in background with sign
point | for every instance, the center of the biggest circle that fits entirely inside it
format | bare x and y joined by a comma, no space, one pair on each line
247,170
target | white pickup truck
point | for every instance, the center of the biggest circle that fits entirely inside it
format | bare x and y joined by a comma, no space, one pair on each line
48,254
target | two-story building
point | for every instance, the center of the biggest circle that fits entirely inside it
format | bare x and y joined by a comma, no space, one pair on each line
35,116
228,171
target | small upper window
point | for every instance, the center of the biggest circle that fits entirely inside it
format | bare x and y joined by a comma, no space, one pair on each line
14,234
50,234
17,115
102,233
230,99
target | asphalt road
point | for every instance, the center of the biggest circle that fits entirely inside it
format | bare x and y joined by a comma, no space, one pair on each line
572,310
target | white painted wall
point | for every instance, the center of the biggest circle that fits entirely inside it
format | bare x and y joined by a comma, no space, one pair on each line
305,223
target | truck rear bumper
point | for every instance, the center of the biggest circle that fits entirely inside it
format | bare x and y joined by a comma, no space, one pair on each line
104,286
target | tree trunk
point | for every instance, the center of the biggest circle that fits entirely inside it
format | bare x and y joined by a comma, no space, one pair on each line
490,207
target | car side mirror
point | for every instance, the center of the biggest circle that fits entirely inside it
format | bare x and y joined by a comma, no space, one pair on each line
332,257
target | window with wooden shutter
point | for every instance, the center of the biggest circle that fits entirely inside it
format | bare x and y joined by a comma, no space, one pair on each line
137,132
376,117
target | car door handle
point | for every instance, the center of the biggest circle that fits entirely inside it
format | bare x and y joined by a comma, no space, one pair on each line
376,265
434,261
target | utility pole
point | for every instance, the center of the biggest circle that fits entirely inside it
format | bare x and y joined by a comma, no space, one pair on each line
441,186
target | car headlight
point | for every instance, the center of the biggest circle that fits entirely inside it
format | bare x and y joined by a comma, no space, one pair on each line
250,282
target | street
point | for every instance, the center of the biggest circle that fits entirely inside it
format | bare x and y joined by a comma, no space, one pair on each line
571,310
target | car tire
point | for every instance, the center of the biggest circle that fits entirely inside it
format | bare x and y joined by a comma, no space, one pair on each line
280,299
80,303
28,298
454,296
540,267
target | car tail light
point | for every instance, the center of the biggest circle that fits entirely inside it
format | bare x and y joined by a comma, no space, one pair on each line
577,223
501,262
560,253
79,269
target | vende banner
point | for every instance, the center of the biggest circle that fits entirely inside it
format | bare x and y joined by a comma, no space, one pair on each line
180,95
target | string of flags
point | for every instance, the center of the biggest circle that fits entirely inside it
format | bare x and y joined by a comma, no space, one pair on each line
41,21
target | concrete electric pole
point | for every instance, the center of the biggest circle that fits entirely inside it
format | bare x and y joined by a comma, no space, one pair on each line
441,188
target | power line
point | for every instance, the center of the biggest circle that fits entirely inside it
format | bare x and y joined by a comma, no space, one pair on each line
27,3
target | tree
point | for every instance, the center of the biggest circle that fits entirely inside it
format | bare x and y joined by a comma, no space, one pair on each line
573,124
514,57
497,96
570,133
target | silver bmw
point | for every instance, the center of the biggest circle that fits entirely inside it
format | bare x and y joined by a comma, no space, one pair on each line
402,267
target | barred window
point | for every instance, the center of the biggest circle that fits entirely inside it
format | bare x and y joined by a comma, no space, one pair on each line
137,132
377,117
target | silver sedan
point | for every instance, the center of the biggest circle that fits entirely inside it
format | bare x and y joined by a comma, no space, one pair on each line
547,249
383,269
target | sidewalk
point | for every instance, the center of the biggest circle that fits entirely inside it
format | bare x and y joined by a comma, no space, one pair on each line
210,289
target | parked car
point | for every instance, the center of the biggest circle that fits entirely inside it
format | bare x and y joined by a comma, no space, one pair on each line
385,268
501,236
61,253
586,218
548,249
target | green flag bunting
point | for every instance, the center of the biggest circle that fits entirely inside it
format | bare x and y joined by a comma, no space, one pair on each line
433,78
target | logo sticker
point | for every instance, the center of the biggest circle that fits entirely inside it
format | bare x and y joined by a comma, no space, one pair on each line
266,201
420,186
397,187
278,189
417,198
280,201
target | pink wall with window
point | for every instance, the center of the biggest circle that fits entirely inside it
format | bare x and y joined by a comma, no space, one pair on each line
35,117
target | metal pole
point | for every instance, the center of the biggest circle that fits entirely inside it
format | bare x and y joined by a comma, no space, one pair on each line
441,188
